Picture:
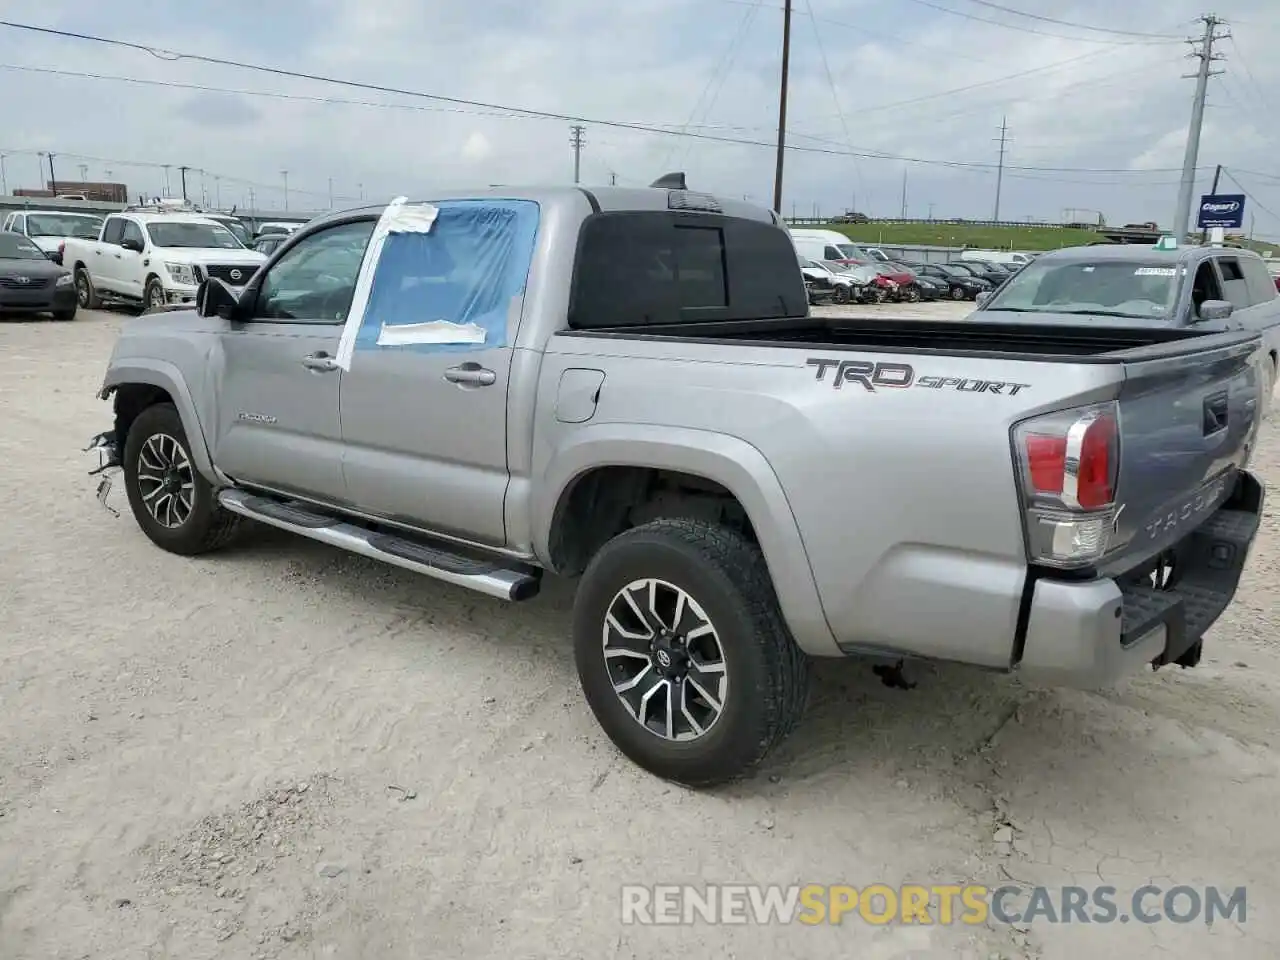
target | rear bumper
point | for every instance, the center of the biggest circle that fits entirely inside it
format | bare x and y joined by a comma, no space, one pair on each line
1094,633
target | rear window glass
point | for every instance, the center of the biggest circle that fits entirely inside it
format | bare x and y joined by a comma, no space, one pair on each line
640,268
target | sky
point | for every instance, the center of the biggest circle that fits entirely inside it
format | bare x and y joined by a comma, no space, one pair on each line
883,93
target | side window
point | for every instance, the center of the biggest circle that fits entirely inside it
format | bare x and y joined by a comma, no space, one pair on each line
830,252
1234,285
315,281
114,231
1262,286
133,232
19,224
1204,287
644,268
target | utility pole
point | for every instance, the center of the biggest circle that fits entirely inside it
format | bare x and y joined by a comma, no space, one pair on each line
1217,175
1004,131
575,140
904,194
1202,50
251,203
930,211
40,181
166,180
183,172
53,177
84,173
4,183
782,106
331,193
217,191
360,187
285,175
613,179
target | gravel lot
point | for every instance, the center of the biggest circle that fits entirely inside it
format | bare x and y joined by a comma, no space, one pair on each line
282,751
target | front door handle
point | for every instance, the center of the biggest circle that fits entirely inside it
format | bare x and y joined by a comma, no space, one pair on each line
471,375
320,361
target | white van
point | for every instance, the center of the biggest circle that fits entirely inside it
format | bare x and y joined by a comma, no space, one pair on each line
1008,257
828,245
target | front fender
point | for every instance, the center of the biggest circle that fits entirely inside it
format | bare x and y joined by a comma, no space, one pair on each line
734,464
166,376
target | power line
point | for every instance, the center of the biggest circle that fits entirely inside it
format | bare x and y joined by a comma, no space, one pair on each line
1254,200
1077,26
835,94
1042,33
173,56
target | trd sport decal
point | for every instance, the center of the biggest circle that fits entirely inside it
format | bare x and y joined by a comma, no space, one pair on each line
899,376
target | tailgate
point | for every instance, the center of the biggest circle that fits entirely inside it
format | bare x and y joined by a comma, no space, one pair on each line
1187,424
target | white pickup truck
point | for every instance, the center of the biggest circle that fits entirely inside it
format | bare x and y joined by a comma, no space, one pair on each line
151,259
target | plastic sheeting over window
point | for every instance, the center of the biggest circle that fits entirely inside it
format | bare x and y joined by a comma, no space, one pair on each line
450,284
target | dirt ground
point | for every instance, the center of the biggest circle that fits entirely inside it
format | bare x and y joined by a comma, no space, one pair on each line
282,751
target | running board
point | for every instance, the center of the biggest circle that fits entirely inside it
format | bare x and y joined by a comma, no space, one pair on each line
435,560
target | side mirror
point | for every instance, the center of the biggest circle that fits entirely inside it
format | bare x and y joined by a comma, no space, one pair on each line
1216,309
215,299
982,297
130,244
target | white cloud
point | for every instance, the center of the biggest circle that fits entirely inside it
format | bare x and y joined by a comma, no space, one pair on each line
1119,108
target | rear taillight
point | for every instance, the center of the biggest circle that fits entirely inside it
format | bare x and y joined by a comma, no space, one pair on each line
1069,465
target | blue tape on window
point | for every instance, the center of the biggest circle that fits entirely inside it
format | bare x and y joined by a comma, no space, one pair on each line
465,271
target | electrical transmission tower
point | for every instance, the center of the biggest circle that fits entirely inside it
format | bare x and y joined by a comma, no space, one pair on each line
575,140
1202,50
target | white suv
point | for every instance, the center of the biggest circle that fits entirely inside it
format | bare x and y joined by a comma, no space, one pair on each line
156,258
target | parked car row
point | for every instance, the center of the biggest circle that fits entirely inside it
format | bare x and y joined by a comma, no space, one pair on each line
828,257
152,256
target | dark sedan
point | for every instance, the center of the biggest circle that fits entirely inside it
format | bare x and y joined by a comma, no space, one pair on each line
32,283
982,271
961,284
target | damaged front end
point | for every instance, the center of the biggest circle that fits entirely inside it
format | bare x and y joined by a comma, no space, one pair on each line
109,458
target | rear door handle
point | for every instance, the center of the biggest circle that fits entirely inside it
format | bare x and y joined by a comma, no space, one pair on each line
471,375
320,361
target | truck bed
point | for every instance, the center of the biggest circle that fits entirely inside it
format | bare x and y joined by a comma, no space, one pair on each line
1084,344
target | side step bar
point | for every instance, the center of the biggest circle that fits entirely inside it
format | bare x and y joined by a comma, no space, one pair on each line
431,559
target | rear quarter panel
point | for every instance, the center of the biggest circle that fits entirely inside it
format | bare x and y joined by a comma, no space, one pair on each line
904,499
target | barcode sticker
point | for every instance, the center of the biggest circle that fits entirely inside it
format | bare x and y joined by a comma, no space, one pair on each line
1156,272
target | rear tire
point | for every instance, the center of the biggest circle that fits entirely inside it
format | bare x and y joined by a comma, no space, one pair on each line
65,315
957,293
173,504
730,640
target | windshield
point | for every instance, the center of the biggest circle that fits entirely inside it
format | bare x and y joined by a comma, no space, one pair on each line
851,251
1111,288
63,225
238,229
14,246
187,234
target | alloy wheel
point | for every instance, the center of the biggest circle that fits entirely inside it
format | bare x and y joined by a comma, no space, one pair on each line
665,660
166,481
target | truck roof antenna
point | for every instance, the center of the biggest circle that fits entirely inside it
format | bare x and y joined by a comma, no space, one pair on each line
670,181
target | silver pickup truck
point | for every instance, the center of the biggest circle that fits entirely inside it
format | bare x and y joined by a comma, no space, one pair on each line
626,386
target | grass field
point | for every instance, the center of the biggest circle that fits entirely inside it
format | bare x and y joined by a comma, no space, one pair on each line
987,238
958,235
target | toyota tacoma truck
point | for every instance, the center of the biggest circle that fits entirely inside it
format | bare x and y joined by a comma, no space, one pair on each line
626,386
155,256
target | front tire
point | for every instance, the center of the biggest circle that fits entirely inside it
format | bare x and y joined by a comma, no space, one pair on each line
173,504
958,294
86,295
65,315
683,654
153,297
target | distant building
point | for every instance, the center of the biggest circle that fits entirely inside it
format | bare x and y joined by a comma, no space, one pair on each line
104,192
